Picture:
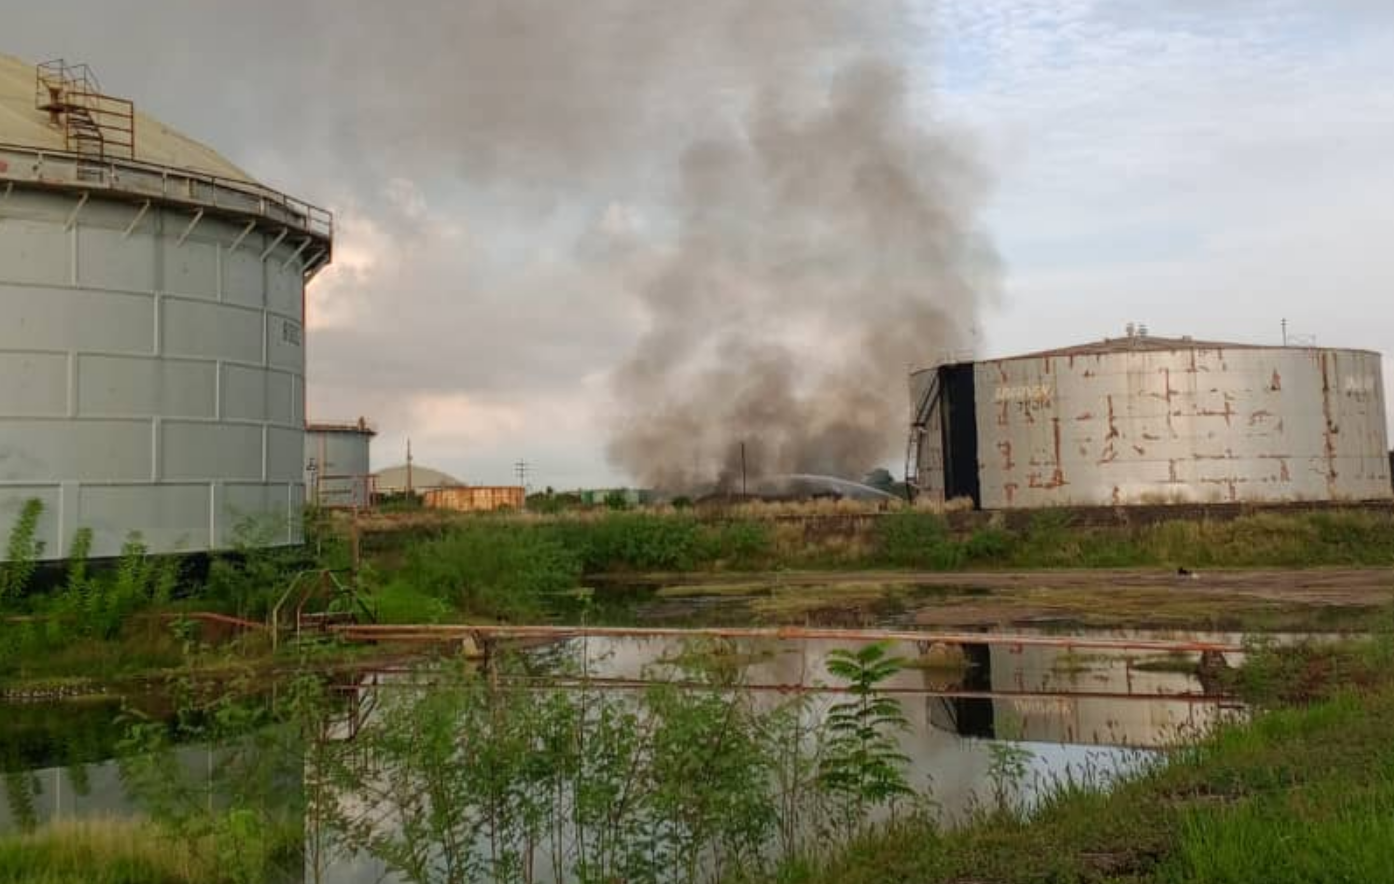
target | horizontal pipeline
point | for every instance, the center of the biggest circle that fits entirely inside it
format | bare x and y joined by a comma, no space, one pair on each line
606,683
450,632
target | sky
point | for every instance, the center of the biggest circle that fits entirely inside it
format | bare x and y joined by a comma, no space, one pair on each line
1206,167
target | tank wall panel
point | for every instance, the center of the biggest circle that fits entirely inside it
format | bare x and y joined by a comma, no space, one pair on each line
243,502
34,384
283,342
86,451
12,500
283,285
280,399
242,275
37,318
170,517
1276,424
285,450
210,451
244,392
194,328
191,269
107,260
125,386
36,252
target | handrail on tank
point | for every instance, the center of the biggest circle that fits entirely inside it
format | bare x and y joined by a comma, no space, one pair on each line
106,174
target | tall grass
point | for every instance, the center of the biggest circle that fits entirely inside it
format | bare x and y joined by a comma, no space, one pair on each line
100,851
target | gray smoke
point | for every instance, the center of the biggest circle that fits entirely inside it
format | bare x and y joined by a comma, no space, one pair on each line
821,252
812,235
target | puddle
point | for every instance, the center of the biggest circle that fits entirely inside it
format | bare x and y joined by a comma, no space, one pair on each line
1084,715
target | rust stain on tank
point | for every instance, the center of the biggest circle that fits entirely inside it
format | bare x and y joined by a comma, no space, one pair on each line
1112,425
1005,446
1086,416
1259,416
1140,450
1058,478
1117,496
1171,471
1284,475
1329,431
1276,383
1002,414
1151,437
1009,489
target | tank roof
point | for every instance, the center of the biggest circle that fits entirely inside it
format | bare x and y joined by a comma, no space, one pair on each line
1135,343
24,125
362,427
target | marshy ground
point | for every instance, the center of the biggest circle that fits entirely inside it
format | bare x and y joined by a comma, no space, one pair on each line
1266,600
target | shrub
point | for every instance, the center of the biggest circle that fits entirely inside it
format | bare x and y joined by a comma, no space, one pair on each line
492,567
22,552
917,540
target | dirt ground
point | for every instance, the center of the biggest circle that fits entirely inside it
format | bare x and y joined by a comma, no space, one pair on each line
1258,600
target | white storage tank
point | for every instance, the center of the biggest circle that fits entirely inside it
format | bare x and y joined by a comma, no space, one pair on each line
338,471
152,363
1150,420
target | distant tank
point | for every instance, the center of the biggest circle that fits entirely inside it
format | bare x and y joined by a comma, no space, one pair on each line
338,473
152,362
1151,420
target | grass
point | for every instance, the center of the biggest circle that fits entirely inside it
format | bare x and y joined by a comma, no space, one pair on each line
1305,792
100,851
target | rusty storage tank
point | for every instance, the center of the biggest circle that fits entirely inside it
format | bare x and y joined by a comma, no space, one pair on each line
337,464
1151,420
152,367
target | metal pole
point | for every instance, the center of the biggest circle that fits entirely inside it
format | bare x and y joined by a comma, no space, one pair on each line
742,469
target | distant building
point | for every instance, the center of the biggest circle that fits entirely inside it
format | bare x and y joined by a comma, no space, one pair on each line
599,496
475,498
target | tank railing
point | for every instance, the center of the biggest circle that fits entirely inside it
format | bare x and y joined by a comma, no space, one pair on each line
138,178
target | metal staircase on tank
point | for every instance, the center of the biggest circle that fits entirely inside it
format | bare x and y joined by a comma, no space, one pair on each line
96,127
921,414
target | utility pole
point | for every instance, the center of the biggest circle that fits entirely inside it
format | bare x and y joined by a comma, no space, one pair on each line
1285,331
409,486
742,468
521,469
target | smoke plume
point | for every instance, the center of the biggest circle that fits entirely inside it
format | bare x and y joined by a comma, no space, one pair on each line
820,253
810,234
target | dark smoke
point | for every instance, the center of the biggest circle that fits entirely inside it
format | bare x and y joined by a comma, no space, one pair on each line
820,254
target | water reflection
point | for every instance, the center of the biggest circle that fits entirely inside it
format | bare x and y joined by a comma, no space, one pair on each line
1056,714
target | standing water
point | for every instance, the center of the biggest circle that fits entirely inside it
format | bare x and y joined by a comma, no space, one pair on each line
664,759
